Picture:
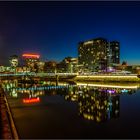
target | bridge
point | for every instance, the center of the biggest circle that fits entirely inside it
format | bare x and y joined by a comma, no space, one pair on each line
37,74
67,74
76,76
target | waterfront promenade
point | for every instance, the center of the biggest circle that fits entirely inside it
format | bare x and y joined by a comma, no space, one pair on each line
108,78
76,77
7,127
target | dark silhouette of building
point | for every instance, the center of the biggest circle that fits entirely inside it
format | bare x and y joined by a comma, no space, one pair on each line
115,52
50,66
68,64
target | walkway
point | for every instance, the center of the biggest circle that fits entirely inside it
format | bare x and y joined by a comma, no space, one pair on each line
7,128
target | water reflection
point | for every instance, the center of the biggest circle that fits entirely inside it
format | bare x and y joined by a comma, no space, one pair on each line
99,105
97,102
31,100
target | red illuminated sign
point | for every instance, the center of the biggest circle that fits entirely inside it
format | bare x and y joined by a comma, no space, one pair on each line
31,100
31,55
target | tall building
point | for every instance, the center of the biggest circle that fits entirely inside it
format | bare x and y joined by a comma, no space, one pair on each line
68,65
50,66
98,54
71,64
115,52
31,61
14,61
94,54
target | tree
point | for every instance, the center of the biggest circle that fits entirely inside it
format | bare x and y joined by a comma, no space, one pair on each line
124,63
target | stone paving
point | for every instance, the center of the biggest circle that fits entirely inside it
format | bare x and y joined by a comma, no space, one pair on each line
5,128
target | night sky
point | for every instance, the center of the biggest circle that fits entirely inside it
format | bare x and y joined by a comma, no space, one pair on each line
53,29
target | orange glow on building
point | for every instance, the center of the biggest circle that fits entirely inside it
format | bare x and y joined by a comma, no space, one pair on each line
31,55
31,100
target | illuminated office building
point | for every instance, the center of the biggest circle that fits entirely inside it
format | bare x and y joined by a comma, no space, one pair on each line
68,64
50,66
115,52
98,54
31,61
40,66
71,64
14,61
92,54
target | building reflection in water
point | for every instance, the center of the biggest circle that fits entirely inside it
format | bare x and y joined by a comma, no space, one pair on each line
94,103
27,90
97,104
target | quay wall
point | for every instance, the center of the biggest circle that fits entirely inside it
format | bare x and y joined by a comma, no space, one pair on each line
108,78
7,126
96,78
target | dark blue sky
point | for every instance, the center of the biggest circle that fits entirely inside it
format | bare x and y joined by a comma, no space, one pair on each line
53,29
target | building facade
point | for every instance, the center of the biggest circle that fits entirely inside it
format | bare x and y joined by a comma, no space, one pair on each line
115,52
68,65
93,54
50,66
14,61
98,54
31,61
71,64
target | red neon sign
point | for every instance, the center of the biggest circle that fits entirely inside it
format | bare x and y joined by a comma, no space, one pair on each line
31,100
31,55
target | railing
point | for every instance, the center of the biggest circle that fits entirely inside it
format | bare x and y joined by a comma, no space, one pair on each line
16,74
65,74
38,74
54,74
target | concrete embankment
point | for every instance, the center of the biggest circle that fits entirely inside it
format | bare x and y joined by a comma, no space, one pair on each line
7,127
108,78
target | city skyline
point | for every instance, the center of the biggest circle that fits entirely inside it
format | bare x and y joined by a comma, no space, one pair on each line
54,29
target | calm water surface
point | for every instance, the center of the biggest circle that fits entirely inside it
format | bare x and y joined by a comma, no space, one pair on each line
74,110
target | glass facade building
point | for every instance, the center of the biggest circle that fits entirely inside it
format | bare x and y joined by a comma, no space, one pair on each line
115,52
97,54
